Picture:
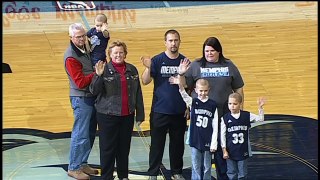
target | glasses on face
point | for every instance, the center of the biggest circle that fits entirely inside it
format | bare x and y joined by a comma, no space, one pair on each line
79,37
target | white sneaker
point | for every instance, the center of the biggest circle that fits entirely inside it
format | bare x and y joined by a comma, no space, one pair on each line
177,177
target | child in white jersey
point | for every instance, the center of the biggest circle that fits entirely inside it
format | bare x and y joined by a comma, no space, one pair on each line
203,128
235,127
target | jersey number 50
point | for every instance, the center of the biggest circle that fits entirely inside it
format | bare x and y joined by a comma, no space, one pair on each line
202,121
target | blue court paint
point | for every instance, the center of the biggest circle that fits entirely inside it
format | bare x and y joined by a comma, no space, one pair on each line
84,19
284,147
166,3
52,6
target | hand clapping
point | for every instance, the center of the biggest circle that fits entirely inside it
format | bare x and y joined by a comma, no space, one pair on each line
100,67
146,61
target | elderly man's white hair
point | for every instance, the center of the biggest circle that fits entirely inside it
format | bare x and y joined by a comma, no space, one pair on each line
73,27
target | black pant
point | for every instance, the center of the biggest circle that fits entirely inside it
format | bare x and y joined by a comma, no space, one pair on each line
114,141
176,126
221,164
93,128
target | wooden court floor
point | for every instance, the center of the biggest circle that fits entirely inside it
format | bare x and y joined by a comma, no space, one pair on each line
274,45
278,58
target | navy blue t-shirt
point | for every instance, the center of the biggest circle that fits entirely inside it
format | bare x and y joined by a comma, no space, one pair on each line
166,96
237,132
99,45
202,114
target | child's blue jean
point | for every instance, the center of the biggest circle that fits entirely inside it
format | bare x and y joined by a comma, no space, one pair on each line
237,169
201,164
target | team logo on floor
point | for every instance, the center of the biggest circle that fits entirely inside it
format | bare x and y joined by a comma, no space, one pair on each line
280,141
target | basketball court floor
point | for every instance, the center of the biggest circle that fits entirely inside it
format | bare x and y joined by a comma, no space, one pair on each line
274,44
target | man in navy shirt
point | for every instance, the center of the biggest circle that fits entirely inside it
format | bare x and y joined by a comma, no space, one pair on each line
168,108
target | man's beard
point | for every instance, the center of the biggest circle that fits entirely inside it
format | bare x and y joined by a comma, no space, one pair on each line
174,51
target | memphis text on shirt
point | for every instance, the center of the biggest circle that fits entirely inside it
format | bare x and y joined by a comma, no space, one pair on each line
167,71
203,111
237,128
214,72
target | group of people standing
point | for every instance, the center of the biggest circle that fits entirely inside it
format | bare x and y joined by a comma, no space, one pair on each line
108,94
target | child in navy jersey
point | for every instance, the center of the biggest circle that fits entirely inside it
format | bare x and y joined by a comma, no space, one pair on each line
235,127
203,128
98,38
